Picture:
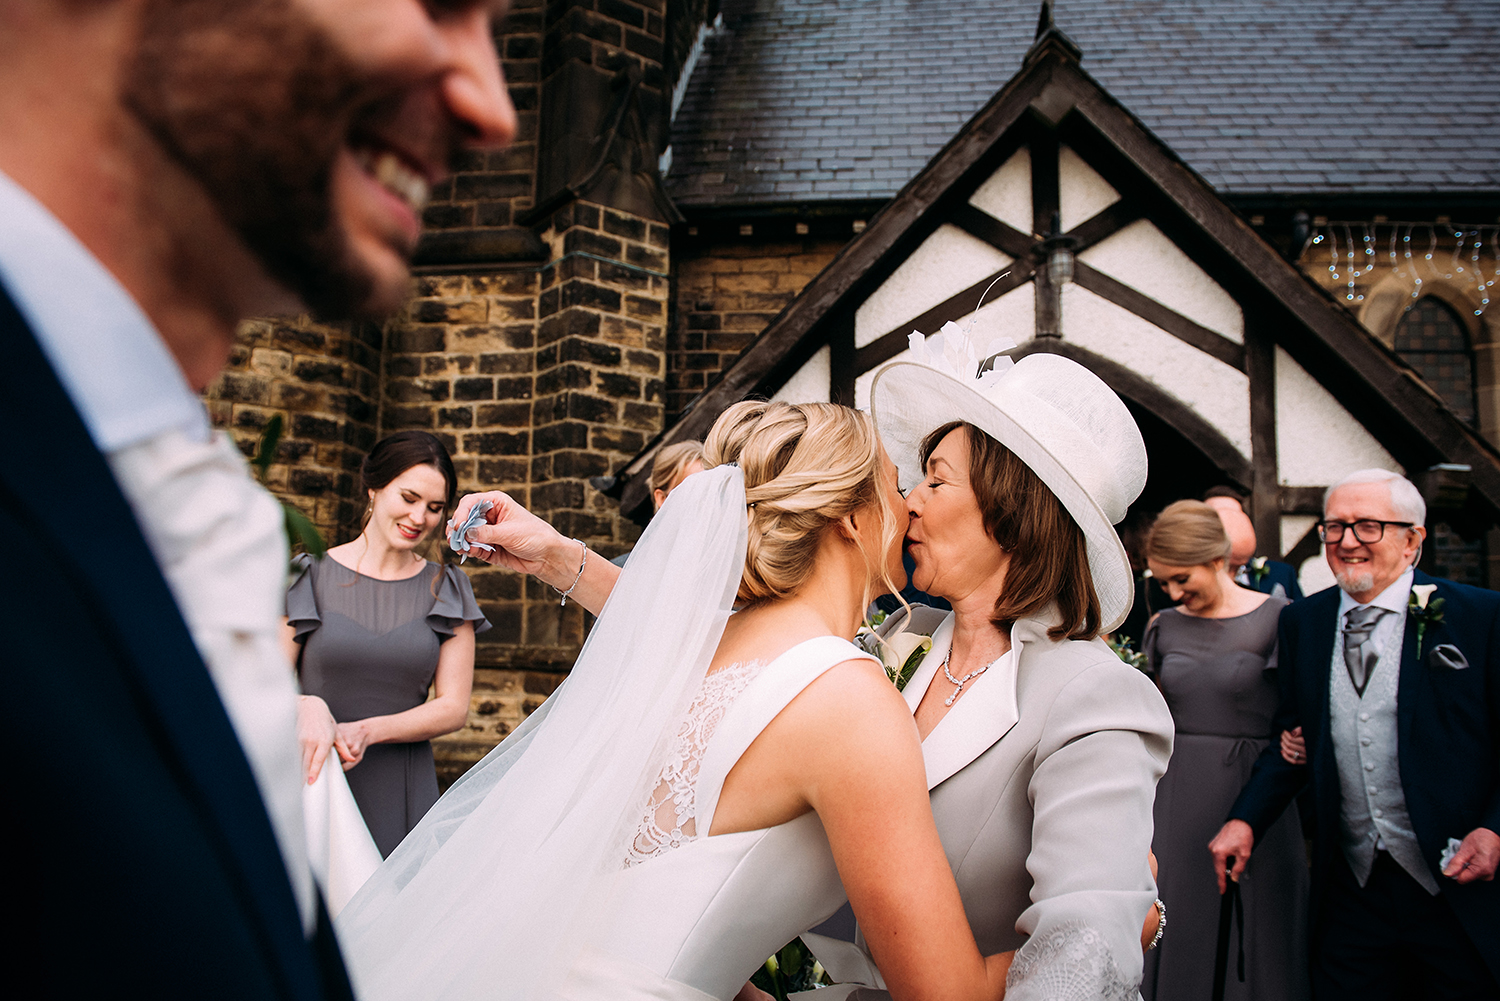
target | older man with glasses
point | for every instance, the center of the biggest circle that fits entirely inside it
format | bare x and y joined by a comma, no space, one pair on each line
1394,678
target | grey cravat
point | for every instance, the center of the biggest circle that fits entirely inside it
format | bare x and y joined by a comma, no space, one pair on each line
1359,652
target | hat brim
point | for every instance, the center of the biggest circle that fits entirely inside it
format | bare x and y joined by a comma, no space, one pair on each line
909,401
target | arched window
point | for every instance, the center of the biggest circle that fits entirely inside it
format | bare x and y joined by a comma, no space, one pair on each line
1431,339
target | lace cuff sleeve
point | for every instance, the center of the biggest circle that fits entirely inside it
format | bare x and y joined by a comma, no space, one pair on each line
1071,961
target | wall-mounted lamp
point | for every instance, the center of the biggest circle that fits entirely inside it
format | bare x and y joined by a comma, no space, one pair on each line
1057,251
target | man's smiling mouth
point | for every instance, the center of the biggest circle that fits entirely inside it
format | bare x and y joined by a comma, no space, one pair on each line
393,174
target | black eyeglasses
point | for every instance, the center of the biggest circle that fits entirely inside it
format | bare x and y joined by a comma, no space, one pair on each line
1366,530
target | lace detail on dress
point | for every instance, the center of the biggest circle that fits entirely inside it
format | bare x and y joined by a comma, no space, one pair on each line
1072,961
670,817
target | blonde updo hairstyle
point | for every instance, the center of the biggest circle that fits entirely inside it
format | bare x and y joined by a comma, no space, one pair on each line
807,466
1187,533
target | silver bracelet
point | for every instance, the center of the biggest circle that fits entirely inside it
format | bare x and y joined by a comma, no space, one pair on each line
1161,924
581,564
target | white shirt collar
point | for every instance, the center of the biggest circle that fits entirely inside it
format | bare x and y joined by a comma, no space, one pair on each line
123,381
1394,597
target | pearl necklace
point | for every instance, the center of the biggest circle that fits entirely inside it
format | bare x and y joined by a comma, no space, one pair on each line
960,683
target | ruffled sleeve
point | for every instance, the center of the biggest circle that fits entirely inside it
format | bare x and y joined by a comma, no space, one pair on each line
455,604
301,601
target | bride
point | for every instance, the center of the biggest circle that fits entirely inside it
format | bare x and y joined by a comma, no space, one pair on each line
704,786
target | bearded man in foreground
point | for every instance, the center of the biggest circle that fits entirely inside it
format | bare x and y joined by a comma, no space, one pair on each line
169,168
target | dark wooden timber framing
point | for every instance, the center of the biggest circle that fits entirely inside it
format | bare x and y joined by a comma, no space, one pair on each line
1053,96
1208,341
1133,386
1002,236
1302,500
1265,490
841,361
889,345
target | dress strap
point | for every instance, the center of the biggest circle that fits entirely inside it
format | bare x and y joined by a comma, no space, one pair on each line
777,684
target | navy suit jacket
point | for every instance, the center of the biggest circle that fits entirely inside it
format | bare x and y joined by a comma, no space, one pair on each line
1448,741
1281,573
144,863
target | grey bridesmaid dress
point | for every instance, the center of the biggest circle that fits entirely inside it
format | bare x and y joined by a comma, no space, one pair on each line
1219,680
370,648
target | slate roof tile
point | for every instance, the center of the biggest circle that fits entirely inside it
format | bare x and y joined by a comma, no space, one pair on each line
1258,96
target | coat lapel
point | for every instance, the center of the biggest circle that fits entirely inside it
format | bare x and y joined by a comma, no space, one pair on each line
985,714
1410,691
50,469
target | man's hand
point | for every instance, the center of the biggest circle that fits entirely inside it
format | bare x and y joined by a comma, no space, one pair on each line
752,993
1477,858
1293,747
317,732
1234,841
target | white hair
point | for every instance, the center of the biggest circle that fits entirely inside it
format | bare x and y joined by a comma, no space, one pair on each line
1405,497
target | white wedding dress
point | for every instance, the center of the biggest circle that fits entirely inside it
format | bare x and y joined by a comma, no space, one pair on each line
698,915
573,862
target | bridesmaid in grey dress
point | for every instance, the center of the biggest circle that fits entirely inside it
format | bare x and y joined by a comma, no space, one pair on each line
1214,657
373,626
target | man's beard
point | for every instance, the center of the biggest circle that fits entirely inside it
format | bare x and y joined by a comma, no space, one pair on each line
255,101
1353,582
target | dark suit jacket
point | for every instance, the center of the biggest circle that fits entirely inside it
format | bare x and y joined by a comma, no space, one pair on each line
1448,734
1281,573
143,860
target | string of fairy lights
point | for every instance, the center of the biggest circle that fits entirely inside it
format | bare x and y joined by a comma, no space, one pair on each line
1422,252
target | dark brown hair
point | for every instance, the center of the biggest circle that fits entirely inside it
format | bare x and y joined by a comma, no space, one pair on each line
396,454
1049,557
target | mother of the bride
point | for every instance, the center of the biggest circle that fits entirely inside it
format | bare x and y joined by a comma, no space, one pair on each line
1042,748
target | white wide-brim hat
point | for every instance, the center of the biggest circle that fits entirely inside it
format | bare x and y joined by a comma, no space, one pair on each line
1055,415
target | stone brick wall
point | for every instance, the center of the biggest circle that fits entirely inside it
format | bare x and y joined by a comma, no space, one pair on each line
477,208
323,379
601,358
727,292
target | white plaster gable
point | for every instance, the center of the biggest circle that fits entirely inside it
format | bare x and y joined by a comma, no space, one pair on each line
1141,256
1317,440
1217,392
1081,192
865,380
1006,194
1011,315
1293,528
946,263
812,383
1314,576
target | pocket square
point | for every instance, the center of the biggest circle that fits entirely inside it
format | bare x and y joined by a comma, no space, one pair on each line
1446,656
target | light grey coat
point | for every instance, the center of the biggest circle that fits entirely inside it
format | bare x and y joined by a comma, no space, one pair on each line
1043,779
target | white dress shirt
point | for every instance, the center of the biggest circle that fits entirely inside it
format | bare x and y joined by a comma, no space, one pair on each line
215,533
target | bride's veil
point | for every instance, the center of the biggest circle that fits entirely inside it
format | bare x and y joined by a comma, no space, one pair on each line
497,888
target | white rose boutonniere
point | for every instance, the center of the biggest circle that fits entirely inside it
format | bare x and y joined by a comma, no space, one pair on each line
1421,607
900,654
1257,569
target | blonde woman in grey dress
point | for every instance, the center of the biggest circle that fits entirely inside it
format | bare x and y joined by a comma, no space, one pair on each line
373,626
1214,656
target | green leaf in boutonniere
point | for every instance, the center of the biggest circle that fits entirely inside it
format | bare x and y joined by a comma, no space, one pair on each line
1424,609
1257,569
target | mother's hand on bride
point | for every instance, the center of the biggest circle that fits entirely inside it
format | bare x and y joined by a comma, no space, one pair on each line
527,544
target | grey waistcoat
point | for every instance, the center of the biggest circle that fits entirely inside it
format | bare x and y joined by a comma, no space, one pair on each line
1364,745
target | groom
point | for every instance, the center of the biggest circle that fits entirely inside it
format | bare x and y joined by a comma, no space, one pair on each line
168,168
1394,677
